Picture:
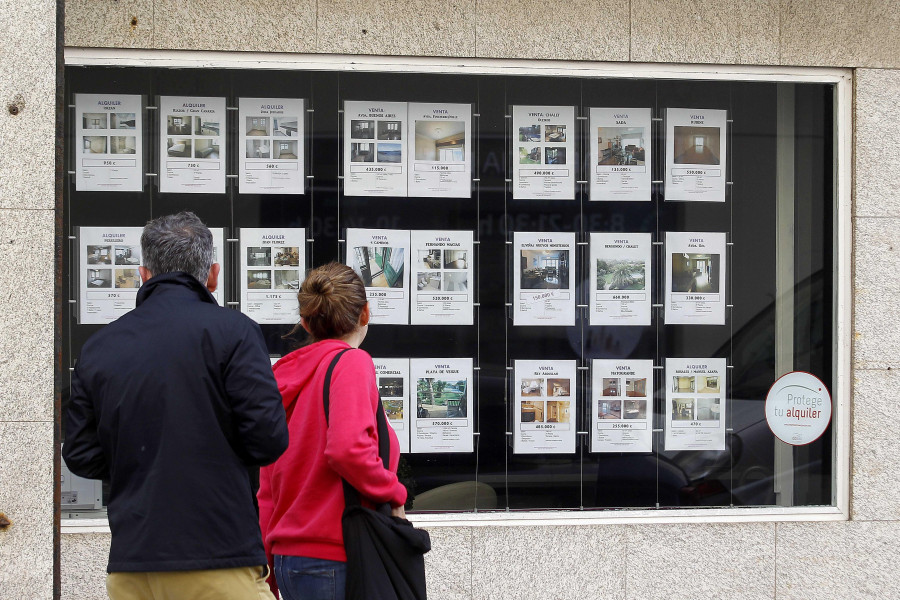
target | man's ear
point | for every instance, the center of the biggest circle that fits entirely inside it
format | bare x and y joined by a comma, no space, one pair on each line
364,316
212,282
145,274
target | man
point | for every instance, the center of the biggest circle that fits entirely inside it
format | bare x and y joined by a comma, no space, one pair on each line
175,404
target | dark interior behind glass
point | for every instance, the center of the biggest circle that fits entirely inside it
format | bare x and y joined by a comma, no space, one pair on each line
744,474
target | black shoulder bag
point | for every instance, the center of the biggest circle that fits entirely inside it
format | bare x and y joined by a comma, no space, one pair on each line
385,554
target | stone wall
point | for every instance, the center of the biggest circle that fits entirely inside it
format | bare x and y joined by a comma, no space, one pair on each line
850,559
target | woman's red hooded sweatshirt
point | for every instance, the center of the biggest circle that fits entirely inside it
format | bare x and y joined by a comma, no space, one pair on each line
301,498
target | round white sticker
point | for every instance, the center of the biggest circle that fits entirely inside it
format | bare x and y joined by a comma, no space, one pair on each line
798,408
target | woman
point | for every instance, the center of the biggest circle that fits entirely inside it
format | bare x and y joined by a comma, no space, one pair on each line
301,497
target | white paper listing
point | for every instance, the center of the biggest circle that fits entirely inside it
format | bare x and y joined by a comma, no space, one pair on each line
544,289
443,421
109,149
695,403
620,278
108,274
622,405
393,388
442,268
441,163
273,265
621,157
695,278
109,278
696,154
375,148
381,258
192,145
543,152
218,234
270,148
545,407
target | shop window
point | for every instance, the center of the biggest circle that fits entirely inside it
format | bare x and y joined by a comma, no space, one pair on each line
755,340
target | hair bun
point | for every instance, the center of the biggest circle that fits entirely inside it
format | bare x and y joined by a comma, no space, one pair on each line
322,284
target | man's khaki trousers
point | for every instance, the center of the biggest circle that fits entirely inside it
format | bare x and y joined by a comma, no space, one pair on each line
243,583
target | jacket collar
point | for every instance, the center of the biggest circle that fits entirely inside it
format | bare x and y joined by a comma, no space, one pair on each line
177,280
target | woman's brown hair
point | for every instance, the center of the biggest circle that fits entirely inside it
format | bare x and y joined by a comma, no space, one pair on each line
331,299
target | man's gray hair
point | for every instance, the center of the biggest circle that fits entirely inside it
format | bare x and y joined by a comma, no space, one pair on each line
178,243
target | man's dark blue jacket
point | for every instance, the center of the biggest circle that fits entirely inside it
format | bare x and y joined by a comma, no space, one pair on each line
175,404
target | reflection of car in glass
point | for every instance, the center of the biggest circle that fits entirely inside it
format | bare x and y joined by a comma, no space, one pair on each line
741,475
744,473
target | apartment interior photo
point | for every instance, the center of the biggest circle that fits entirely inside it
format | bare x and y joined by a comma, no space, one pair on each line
128,278
93,121
708,384
636,387
620,146
455,259
609,409
532,386
122,144
258,149
206,148
287,279
456,282
206,127
696,145
532,411
94,144
611,386
179,148
695,273
428,281
708,409
285,150
380,266
635,409
559,387
554,156
683,409
544,269
362,152
555,133
99,278
682,384
257,126
288,256
178,125
122,120
128,255
389,130
284,126
259,280
558,411
259,256
443,141
99,255
362,129
430,259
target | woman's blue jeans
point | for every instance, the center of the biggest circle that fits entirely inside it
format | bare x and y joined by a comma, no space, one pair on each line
302,578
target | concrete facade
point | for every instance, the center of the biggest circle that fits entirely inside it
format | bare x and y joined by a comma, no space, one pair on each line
848,559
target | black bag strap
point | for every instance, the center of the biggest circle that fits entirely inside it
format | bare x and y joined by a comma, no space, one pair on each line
351,494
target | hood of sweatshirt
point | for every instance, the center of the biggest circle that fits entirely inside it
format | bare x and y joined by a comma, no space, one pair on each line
296,370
